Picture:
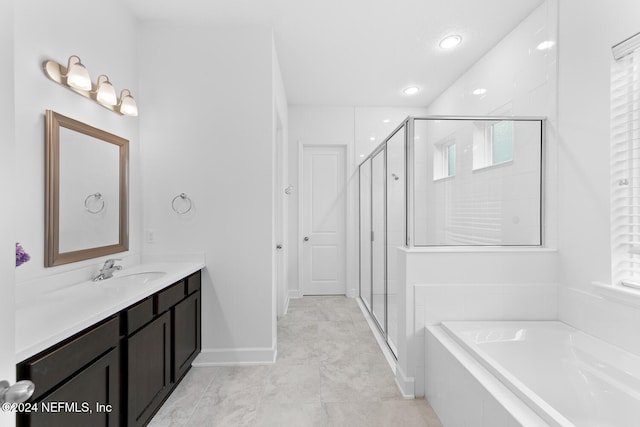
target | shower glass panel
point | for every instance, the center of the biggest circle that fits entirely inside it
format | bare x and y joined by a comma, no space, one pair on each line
365,233
378,239
477,182
446,181
395,234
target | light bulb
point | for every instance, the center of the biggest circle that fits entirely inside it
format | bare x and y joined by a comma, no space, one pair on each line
128,105
77,75
106,93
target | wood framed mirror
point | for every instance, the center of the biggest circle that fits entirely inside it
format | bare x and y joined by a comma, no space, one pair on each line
86,191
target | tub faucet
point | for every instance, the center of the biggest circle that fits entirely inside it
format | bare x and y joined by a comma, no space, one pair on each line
106,272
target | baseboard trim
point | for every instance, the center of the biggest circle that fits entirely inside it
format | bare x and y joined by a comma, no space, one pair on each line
235,356
294,293
286,306
405,384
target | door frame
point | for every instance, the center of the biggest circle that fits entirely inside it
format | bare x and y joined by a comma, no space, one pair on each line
347,219
280,221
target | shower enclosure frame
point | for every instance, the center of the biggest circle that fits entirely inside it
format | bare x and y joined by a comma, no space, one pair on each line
409,202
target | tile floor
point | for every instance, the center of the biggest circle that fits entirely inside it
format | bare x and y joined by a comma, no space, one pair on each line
330,372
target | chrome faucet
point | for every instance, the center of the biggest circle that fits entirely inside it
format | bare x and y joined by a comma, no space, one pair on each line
106,272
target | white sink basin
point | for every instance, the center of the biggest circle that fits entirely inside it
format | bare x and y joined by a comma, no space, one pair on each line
132,279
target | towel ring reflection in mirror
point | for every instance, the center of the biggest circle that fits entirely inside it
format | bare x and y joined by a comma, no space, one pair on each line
91,201
186,201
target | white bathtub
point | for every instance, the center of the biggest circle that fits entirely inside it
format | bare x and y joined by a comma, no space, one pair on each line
566,377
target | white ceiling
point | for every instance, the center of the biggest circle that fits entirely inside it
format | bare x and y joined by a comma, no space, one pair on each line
360,52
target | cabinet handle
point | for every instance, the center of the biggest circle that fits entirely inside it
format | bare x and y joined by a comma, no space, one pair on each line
17,393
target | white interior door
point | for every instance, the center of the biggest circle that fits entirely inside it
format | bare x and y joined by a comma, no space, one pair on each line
323,221
279,214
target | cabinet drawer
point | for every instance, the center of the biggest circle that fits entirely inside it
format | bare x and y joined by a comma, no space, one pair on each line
139,315
97,384
69,357
193,282
170,297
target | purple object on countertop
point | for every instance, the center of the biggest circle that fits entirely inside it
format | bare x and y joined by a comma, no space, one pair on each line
21,255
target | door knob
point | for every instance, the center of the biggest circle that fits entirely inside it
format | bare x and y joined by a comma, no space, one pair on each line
278,246
306,238
17,393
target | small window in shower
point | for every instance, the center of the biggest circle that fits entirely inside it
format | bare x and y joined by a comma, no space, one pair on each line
444,162
493,144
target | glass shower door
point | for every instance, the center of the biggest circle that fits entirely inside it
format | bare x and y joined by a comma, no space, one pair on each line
378,239
365,233
395,231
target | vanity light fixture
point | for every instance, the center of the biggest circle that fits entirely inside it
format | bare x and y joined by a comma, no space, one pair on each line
127,104
106,93
76,77
450,42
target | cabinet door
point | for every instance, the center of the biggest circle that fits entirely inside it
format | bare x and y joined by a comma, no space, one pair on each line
185,334
149,366
90,398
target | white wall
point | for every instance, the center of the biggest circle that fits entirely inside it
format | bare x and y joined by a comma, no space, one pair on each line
207,131
9,190
587,32
53,30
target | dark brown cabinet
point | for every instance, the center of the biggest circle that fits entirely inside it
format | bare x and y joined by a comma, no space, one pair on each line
185,337
120,371
149,370
77,382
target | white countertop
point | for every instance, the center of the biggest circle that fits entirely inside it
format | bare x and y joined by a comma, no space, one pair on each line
50,316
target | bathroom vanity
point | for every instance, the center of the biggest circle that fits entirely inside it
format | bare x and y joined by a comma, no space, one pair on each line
123,362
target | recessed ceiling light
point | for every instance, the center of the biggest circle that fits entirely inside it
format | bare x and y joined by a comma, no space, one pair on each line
373,138
411,90
361,155
545,45
479,91
386,121
450,42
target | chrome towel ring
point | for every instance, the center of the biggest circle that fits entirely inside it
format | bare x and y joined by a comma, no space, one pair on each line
186,200
97,197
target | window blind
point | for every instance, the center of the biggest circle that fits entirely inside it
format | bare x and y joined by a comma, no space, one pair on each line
625,165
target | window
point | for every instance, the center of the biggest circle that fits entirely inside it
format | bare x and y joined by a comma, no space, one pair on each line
625,163
450,158
493,145
444,160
